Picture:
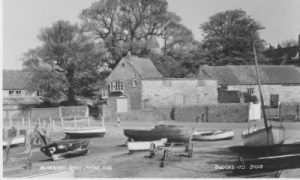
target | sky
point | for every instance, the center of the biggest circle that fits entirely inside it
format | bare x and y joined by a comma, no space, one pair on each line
23,19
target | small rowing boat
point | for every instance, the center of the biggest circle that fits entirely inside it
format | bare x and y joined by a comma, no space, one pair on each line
15,141
145,145
171,132
85,132
212,135
62,149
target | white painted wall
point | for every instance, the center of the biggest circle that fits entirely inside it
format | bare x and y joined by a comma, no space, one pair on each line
168,92
24,93
286,93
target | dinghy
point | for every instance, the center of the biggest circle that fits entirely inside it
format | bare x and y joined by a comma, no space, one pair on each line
65,148
85,132
15,141
212,135
145,145
170,132
268,135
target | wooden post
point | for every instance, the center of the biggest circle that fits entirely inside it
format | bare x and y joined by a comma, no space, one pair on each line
53,124
29,123
102,118
44,123
39,121
10,122
62,121
23,121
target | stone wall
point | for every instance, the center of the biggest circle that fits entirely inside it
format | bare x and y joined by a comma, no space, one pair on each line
286,93
178,92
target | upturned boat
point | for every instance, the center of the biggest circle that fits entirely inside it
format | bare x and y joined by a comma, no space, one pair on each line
174,134
85,132
212,135
268,135
65,148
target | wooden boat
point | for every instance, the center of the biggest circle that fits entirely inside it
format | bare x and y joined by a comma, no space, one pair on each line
65,148
15,141
268,135
145,145
85,132
273,150
212,135
170,132
263,136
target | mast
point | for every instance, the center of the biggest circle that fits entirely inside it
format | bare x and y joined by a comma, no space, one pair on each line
259,87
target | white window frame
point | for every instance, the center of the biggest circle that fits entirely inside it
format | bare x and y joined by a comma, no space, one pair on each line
134,83
250,90
116,86
11,92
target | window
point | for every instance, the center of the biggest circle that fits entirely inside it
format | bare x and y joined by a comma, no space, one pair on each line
123,64
39,93
116,86
18,92
104,94
11,92
134,83
250,90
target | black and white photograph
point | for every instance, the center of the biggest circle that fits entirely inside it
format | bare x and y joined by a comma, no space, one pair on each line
150,88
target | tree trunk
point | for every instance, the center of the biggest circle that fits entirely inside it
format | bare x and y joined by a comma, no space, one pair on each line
70,77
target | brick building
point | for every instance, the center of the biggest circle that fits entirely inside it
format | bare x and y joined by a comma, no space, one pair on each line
124,83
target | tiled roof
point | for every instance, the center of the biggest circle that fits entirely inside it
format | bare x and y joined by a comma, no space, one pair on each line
144,67
242,75
15,79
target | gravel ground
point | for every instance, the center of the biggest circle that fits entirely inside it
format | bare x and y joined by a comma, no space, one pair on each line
108,156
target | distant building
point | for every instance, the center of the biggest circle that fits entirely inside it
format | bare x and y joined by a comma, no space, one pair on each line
136,84
15,90
284,56
279,83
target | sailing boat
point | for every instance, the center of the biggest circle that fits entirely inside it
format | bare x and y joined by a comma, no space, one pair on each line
268,135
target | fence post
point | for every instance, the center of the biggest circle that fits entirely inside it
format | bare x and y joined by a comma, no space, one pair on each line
62,121
102,118
53,124
44,123
23,121
39,121
75,124
10,122
29,123
89,122
87,111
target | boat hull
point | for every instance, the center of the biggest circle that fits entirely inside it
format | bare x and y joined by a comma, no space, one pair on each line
172,134
212,135
15,141
84,132
144,145
273,150
65,149
259,137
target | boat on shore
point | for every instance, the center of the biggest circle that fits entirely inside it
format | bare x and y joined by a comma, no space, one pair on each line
85,132
212,135
18,140
62,149
145,145
172,133
268,135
